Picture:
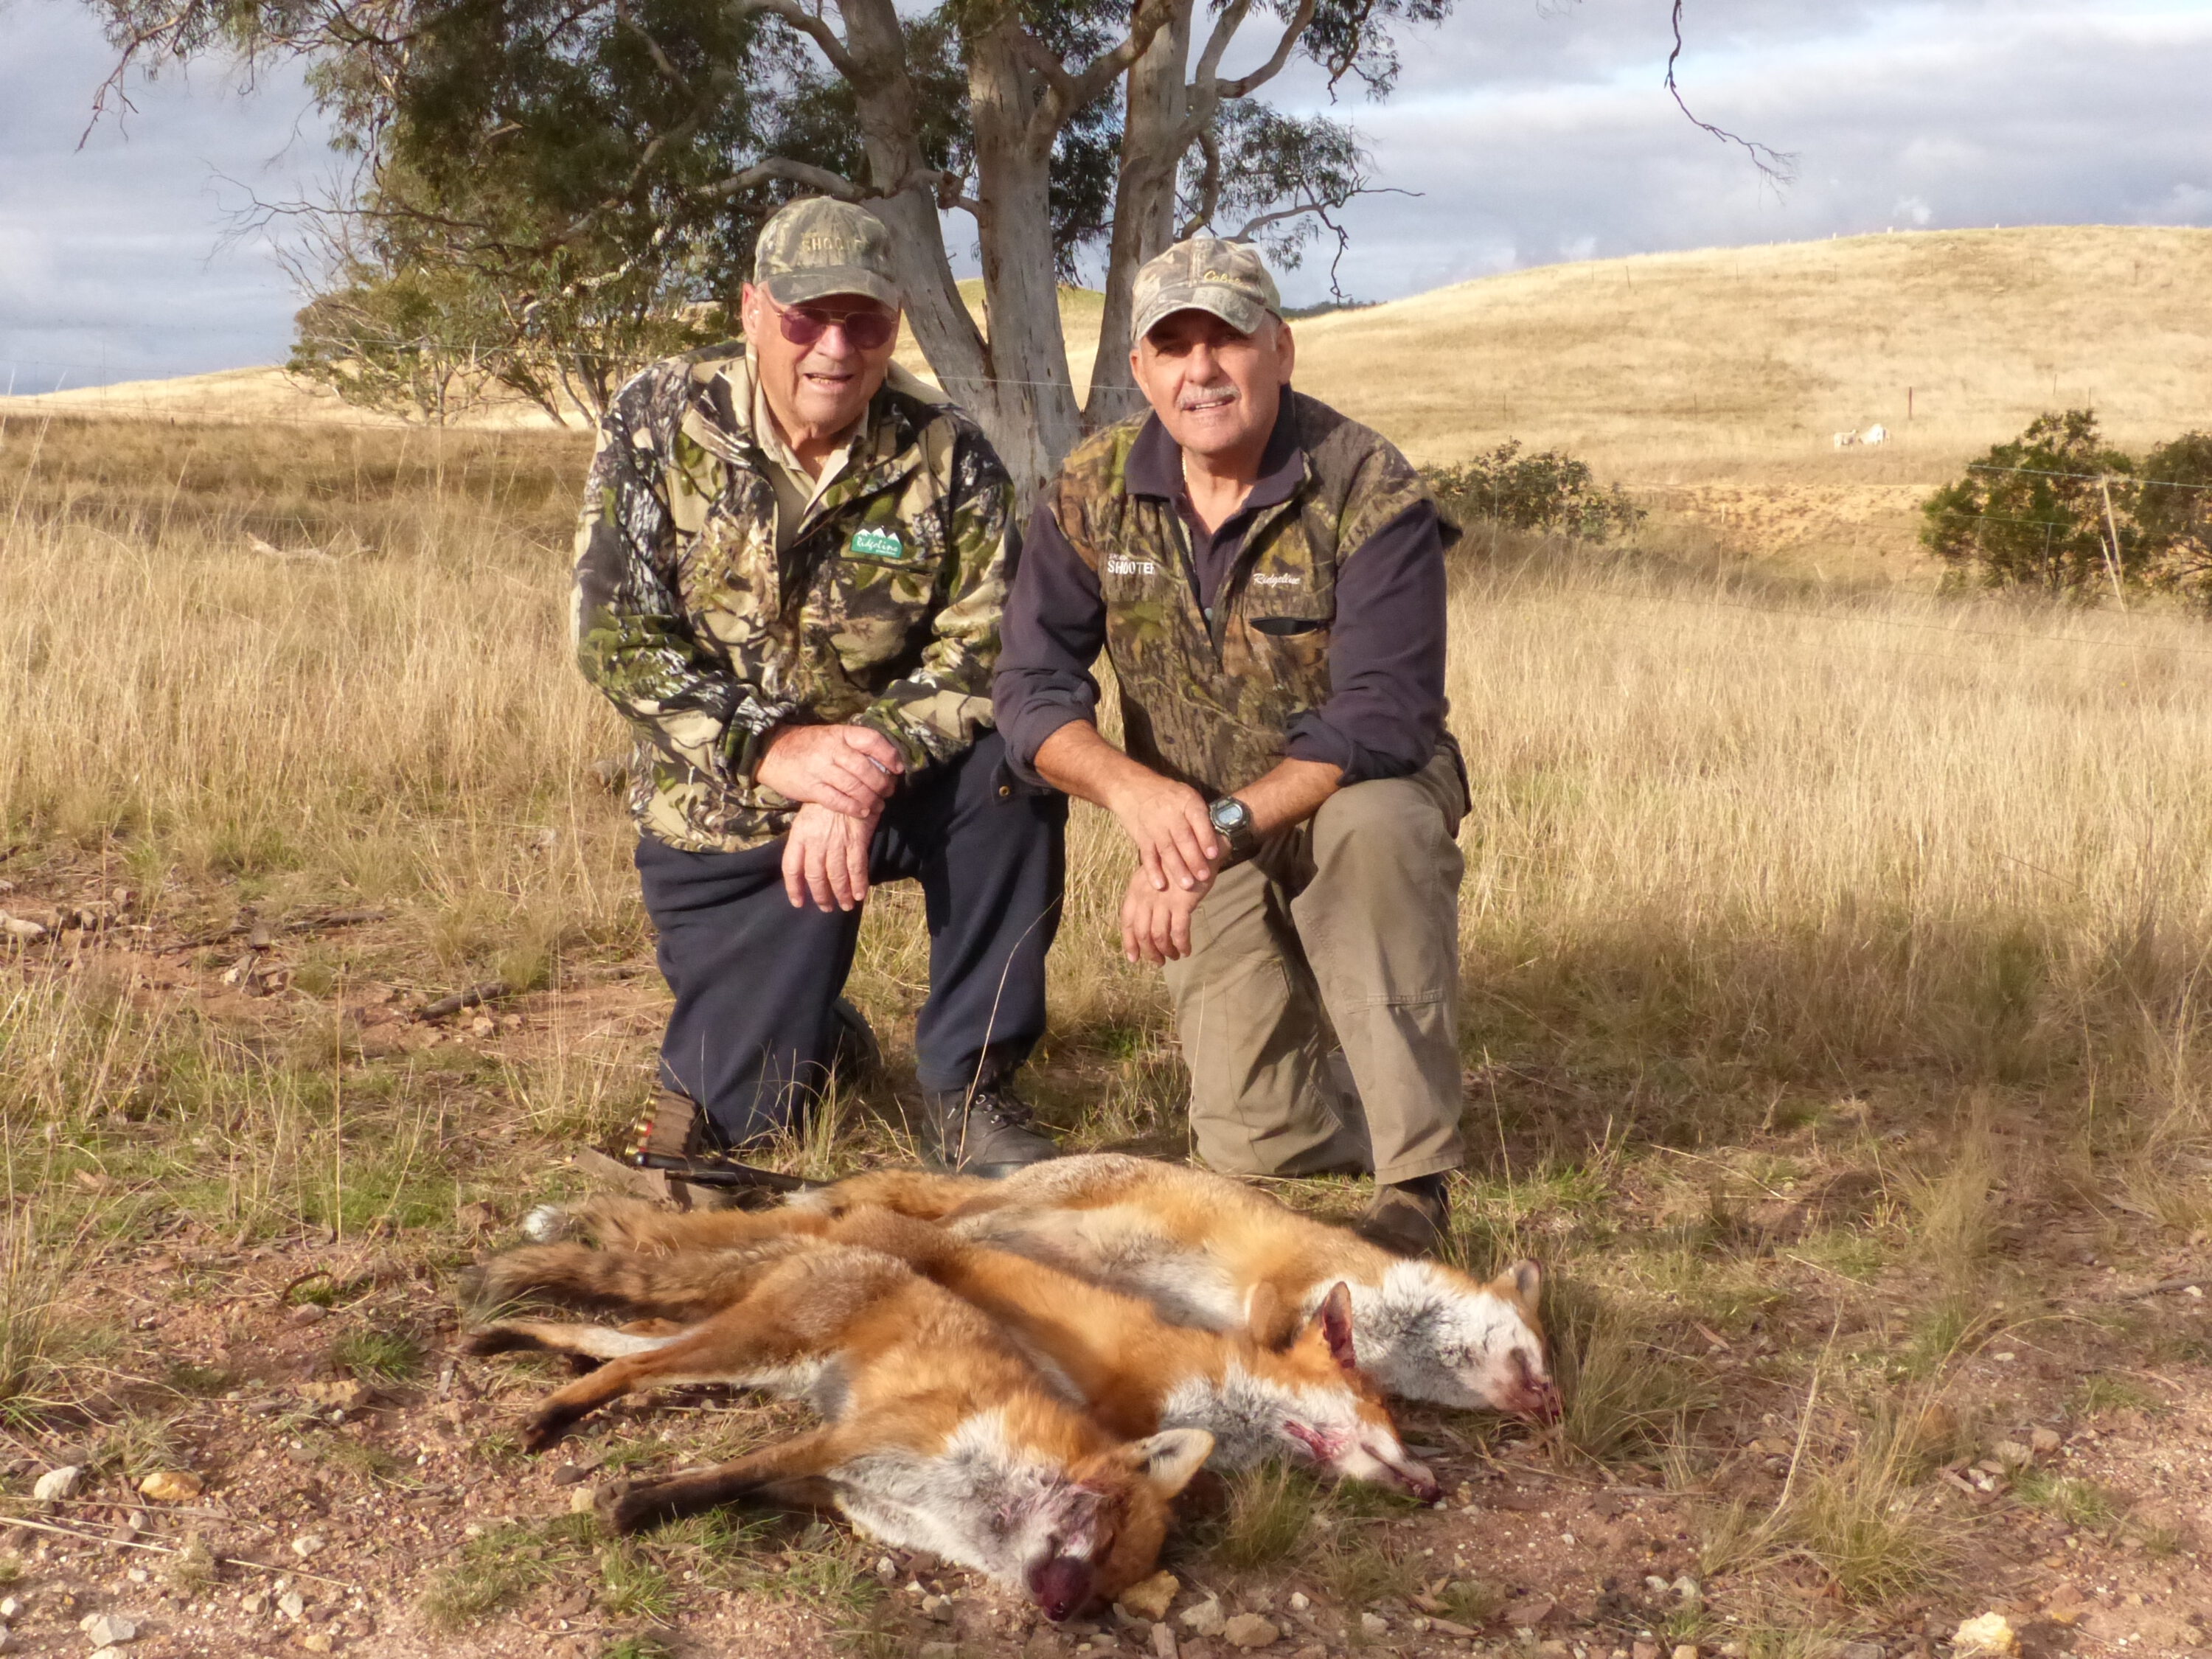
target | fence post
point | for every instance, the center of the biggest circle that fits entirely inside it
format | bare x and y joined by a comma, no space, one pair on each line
2112,547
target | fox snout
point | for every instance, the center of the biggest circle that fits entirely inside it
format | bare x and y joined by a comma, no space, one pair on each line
1060,1586
1528,1392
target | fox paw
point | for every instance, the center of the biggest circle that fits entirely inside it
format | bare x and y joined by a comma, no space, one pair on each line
548,1224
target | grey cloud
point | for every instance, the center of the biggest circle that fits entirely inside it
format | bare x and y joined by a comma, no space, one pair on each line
1942,115
114,259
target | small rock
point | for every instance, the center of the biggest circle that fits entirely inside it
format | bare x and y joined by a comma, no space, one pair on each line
939,1650
310,1313
569,1474
109,1630
1645,1650
1689,1589
2044,1442
292,1604
1684,1651
1249,1630
583,1500
1451,1627
476,1216
2012,1454
1860,1650
886,1571
1655,1584
20,928
1991,1635
11,1608
1163,1642
346,1394
59,1483
939,1608
1205,1619
107,1653
1149,1598
1374,1624
319,1641
1300,1601
172,1485
308,1544
1530,1611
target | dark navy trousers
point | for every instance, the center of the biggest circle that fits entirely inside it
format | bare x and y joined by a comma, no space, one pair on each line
755,978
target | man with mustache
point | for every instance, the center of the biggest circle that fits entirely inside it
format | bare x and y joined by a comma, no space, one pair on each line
1267,579
789,576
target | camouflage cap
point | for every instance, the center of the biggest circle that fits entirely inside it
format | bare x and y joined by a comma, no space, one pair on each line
1227,279
817,247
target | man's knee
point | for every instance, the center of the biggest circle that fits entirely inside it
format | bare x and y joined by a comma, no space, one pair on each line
1388,829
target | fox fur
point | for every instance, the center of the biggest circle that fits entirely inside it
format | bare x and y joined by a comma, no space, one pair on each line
1133,1372
939,1437
1206,1251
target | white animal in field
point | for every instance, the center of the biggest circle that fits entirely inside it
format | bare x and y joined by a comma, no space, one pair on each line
1874,434
1845,440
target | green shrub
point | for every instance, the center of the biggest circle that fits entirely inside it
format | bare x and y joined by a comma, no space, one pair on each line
2032,512
1550,491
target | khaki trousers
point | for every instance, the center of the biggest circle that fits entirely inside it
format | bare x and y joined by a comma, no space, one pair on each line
1343,932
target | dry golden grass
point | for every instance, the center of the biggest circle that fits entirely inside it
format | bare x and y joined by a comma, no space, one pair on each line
1766,876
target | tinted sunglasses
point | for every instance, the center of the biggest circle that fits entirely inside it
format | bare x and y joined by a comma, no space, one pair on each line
865,331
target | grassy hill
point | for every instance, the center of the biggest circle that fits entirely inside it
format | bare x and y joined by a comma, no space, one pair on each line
1710,381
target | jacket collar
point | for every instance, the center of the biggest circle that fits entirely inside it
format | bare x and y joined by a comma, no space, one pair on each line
1155,464
889,441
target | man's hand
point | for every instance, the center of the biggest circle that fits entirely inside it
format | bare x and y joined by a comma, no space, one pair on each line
1156,923
1176,842
847,769
825,858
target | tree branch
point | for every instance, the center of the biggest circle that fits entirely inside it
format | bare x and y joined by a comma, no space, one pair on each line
820,179
1778,166
1243,86
1102,71
661,61
814,28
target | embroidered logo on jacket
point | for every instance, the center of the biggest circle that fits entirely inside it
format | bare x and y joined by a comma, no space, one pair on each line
873,542
1122,565
1273,579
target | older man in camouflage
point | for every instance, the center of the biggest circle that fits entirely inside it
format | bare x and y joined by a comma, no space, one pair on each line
789,578
1267,579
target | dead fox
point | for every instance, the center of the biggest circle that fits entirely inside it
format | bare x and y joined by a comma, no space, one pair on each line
1200,1247
940,1436
1135,1372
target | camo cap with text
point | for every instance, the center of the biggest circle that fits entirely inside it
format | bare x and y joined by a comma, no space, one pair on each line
817,247
1227,279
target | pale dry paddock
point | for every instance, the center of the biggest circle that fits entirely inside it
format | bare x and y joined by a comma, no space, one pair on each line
1769,882
1721,822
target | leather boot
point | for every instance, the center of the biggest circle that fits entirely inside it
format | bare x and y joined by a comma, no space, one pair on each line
1411,1217
989,1132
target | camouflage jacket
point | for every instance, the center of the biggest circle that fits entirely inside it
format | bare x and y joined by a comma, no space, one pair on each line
1207,700
883,612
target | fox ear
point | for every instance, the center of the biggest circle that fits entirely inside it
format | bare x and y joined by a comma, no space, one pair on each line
1522,1283
1170,1458
1332,1323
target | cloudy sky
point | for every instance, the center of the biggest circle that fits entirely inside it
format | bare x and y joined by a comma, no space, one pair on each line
1533,130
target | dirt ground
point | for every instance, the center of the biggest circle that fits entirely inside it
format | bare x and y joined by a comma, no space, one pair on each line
355,1503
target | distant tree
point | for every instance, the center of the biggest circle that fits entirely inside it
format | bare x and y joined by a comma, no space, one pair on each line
1550,491
2173,512
2034,512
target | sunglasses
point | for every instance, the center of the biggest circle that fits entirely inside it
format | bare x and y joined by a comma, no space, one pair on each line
865,331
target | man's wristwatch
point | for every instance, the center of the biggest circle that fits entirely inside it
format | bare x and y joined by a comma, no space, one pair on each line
1233,821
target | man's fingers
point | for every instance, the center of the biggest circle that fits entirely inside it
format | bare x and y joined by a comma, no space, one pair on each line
853,804
1178,934
1149,856
795,885
856,868
854,774
876,746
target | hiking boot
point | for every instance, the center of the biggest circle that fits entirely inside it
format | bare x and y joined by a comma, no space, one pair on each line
1411,1217
990,1132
